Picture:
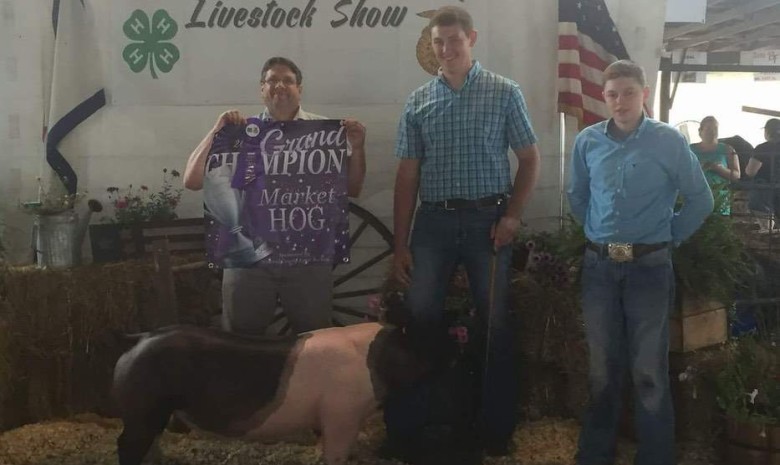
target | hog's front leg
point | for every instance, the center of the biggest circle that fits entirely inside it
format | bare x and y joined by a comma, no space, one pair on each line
340,428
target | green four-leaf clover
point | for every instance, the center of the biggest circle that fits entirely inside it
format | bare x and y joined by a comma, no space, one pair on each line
150,42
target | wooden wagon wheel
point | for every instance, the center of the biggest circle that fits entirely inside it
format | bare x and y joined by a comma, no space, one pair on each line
371,242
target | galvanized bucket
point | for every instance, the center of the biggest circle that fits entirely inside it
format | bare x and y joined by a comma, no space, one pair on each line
55,239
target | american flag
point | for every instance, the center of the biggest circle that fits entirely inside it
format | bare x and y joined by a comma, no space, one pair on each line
588,42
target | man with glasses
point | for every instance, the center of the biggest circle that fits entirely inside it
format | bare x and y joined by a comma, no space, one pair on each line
249,295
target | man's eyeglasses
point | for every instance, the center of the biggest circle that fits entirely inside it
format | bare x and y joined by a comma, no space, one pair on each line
286,82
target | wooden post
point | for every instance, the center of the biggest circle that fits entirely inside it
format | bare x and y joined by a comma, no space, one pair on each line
165,288
665,89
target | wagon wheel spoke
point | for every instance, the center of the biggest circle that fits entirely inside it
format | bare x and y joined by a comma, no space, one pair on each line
358,232
373,261
356,293
346,309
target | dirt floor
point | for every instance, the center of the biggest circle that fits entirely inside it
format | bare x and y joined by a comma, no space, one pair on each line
90,440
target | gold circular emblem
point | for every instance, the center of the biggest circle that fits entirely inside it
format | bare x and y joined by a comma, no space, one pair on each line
425,55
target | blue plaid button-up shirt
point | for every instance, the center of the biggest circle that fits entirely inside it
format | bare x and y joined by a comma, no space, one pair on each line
461,137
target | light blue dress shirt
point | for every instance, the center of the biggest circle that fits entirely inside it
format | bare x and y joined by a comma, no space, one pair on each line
625,190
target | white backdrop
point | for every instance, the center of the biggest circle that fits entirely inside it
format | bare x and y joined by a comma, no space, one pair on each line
362,72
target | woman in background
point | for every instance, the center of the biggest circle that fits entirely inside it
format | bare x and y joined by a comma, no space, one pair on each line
719,162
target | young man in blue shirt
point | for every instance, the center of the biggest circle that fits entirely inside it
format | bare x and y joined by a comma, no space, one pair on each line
453,141
626,175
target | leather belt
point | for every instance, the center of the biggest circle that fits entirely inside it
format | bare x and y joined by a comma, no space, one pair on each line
622,252
457,204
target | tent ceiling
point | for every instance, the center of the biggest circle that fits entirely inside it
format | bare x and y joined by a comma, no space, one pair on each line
731,26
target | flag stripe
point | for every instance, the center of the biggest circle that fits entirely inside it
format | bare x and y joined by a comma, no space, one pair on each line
588,42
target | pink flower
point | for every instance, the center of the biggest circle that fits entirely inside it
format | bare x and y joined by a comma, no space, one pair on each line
374,302
121,203
461,334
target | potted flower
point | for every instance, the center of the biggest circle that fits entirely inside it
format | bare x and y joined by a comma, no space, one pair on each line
57,230
748,393
133,207
137,205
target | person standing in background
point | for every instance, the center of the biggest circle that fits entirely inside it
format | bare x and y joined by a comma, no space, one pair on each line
762,167
719,162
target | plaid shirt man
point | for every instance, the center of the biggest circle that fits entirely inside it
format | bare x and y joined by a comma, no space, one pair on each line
462,137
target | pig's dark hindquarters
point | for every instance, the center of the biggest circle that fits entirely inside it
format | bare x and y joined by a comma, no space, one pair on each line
218,379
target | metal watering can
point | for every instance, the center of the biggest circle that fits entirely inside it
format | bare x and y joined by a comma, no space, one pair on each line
57,239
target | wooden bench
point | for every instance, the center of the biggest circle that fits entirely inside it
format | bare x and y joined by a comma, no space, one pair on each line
114,242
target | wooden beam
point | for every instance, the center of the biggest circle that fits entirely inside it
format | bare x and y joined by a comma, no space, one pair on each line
758,21
761,111
759,35
721,68
733,13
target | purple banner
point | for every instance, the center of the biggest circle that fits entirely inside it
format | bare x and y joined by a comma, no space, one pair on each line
276,192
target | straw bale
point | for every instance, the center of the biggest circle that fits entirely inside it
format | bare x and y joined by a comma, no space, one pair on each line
551,336
60,332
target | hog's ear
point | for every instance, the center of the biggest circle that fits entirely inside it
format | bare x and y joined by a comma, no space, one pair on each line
397,312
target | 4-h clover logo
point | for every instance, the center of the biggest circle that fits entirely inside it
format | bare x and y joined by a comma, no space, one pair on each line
150,44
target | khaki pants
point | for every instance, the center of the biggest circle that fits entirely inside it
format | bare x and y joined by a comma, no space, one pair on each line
249,297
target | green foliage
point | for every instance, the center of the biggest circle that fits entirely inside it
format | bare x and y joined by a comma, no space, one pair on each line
140,205
713,262
748,386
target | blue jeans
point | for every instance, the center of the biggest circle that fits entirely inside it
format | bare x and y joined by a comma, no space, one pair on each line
626,309
764,200
441,240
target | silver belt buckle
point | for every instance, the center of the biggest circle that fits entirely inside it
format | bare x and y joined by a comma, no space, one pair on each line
620,252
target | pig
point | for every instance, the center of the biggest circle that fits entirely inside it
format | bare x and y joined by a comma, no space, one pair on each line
329,380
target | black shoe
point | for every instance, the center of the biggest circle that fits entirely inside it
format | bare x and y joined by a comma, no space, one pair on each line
407,451
498,448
